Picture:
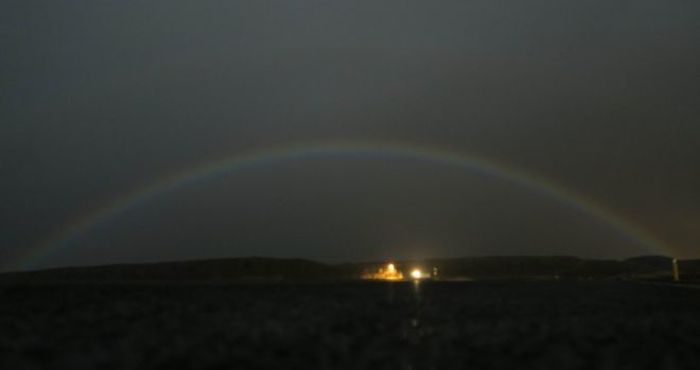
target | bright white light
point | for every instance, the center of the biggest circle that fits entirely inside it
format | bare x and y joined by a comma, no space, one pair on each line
416,274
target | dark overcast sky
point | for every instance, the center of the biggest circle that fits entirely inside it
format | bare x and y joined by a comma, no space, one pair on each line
99,97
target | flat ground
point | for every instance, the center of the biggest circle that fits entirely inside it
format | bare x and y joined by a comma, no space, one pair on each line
433,325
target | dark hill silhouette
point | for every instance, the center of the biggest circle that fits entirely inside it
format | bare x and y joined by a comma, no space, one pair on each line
243,269
655,262
258,269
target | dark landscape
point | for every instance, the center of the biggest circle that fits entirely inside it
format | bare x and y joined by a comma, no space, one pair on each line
433,325
258,269
293,314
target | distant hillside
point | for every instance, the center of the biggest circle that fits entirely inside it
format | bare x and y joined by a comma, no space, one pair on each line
550,267
257,269
237,269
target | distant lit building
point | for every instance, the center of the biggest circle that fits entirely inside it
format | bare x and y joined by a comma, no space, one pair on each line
392,273
388,272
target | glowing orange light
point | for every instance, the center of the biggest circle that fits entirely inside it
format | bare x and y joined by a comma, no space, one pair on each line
390,272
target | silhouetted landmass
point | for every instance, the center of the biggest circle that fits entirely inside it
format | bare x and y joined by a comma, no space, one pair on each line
254,269
257,269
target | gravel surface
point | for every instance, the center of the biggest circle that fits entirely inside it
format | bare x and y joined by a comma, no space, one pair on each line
431,325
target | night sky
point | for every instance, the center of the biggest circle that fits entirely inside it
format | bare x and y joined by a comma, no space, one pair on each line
99,98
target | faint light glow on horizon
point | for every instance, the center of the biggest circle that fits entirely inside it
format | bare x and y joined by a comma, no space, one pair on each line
389,272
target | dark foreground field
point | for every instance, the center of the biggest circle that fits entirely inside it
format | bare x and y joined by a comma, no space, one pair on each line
514,325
